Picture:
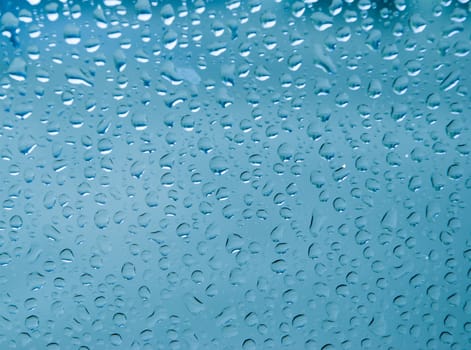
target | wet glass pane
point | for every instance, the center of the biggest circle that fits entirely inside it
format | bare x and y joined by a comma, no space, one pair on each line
235,174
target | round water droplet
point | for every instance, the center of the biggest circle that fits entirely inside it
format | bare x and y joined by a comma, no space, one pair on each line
5,259
101,218
279,266
128,271
218,165
66,255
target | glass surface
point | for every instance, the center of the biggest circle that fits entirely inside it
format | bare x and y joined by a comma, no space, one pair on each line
235,174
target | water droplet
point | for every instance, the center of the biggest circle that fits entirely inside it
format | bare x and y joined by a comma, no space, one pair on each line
218,165
128,271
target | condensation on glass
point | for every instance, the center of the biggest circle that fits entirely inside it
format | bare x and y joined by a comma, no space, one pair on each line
235,174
